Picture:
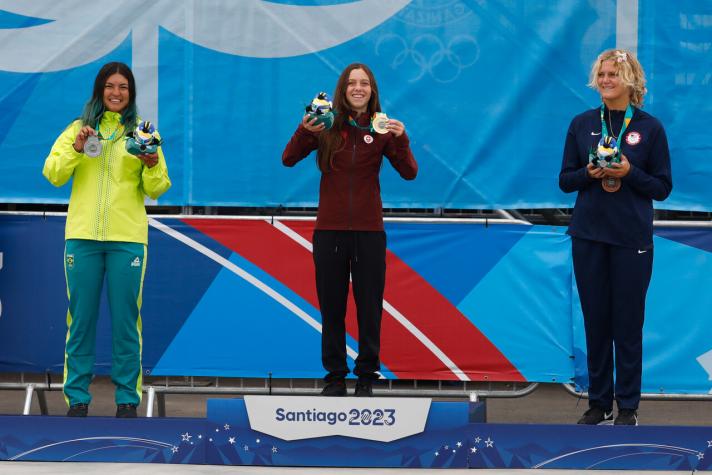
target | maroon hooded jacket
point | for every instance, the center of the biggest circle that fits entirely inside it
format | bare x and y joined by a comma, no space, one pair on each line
350,192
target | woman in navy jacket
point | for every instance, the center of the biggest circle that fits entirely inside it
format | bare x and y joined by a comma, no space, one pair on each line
612,230
349,239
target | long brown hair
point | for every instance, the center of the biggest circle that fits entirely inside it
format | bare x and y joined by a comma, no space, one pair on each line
330,141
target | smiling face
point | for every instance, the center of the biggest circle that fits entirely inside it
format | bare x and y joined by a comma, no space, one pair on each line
614,92
358,90
116,93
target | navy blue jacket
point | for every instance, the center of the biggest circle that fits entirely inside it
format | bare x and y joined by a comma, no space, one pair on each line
623,218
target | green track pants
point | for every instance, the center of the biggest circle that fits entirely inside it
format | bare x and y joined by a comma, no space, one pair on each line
86,263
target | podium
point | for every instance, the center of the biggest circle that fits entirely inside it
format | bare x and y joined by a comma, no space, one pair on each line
353,432
343,431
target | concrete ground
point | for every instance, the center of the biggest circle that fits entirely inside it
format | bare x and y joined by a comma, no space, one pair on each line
548,404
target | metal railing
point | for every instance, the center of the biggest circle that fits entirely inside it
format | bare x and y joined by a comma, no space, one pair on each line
156,393
474,391
571,389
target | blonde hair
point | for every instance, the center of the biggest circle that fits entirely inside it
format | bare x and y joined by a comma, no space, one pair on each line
629,70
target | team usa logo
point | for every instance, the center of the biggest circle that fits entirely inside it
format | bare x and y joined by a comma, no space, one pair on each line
633,138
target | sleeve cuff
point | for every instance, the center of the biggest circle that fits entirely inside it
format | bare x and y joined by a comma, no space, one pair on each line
155,171
586,176
74,153
403,141
303,132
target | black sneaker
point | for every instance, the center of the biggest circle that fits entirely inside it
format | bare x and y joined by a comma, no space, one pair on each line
336,387
626,417
364,388
595,416
126,411
78,410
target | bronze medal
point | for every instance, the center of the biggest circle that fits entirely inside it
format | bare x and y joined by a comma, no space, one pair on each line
611,184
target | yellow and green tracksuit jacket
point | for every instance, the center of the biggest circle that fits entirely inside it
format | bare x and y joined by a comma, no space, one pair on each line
107,200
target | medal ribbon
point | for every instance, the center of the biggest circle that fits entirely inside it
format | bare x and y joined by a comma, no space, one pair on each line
113,134
626,120
355,124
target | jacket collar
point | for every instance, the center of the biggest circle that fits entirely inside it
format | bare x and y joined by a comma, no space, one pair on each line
111,117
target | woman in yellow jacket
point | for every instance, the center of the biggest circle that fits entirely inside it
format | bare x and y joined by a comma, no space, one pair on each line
106,235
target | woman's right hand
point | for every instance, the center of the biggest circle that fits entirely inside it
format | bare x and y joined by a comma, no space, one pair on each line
594,171
308,123
81,138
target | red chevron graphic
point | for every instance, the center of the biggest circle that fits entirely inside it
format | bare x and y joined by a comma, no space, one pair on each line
270,250
444,325
401,352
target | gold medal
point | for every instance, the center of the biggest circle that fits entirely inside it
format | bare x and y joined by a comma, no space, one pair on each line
611,184
380,123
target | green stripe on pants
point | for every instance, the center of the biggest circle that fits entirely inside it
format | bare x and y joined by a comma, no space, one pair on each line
86,263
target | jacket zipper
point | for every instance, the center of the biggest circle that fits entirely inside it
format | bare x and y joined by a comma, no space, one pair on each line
351,177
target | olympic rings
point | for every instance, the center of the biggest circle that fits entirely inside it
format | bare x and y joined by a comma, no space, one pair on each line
443,62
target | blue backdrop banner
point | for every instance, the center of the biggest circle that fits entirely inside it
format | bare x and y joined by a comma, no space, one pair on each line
486,90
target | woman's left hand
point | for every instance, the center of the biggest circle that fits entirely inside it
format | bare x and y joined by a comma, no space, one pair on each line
148,159
618,170
396,127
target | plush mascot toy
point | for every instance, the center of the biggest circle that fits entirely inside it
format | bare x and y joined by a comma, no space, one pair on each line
144,139
606,153
321,108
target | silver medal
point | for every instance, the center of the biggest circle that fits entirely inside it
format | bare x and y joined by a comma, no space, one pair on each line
92,147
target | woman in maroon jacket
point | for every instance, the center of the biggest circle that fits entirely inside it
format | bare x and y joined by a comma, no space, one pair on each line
349,238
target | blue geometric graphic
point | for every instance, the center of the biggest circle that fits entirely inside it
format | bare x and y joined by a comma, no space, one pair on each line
579,447
430,255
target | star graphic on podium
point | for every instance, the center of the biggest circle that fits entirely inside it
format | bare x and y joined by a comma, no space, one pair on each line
227,426
231,440
186,437
473,450
274,450
489,442
478,440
